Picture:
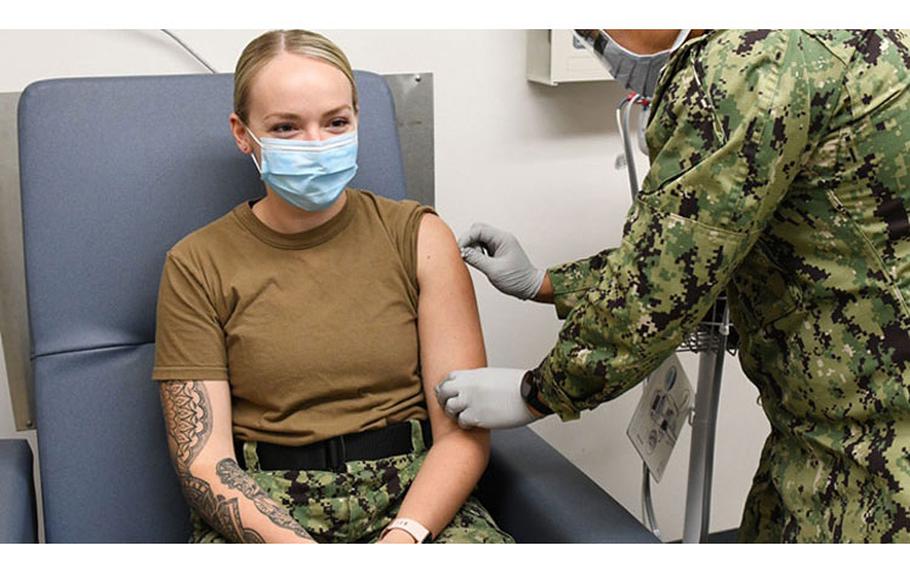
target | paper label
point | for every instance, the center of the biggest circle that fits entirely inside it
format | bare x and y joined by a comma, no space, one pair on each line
660,415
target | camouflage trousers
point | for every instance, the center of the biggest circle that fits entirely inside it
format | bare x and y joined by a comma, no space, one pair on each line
355,505
803,494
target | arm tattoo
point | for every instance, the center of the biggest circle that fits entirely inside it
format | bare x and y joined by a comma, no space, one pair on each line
188,416
223,514
230,474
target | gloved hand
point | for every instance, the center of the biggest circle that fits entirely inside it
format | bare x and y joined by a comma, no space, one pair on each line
487,398
507,266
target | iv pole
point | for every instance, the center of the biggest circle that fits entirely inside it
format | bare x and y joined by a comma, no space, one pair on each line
701,450
710,342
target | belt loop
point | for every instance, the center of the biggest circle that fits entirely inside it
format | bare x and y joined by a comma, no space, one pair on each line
417,444
250,456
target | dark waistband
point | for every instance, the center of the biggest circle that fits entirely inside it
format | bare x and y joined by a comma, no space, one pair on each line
331,454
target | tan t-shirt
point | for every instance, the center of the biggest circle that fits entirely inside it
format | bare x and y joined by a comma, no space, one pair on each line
316,331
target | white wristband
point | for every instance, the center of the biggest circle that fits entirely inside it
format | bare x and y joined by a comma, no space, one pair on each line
418,532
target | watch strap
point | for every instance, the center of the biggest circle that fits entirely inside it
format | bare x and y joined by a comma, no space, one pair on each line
530,392
418,532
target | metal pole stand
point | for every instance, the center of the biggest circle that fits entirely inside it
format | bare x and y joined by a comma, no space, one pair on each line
701,452
711,346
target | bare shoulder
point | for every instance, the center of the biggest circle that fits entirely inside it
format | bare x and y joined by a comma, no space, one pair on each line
435,237
433,230
437,250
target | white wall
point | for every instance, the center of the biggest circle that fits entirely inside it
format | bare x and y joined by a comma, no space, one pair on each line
532,159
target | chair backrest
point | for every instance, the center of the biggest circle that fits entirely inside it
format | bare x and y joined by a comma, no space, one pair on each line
114,171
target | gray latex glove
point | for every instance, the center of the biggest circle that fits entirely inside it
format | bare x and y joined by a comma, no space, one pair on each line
486,398
505,262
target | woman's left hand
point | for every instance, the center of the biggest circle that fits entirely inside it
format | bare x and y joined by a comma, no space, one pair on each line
396,536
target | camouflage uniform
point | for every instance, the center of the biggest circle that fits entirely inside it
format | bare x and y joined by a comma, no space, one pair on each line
356,505
781,174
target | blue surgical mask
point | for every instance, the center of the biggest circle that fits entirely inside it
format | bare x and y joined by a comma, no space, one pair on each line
308,174
635,72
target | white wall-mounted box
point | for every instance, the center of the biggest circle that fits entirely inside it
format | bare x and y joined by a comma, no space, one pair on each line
555,56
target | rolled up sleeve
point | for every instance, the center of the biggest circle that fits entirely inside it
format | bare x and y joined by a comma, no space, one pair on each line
572,280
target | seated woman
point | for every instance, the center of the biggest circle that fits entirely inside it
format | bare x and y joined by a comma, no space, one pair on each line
301,335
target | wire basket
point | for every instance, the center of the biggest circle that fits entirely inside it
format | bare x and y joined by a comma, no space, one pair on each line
711,332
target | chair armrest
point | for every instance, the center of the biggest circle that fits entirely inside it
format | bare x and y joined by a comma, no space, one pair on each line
18,520
537,495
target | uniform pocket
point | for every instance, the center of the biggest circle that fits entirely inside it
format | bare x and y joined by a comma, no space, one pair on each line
763,293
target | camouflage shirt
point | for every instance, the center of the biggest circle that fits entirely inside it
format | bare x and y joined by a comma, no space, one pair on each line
780,174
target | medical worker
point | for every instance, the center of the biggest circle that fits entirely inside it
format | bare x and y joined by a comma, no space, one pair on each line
780,174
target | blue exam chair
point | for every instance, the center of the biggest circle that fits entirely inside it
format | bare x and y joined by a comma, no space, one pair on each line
113,172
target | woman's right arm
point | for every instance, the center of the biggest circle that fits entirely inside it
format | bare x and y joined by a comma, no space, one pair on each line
197,416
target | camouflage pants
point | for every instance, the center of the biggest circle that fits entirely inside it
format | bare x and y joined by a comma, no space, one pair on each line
354,506
802,494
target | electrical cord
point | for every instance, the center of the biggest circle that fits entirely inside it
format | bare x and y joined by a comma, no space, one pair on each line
647,503
189,50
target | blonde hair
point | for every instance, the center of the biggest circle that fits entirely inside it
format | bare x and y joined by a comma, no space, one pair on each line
265,47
